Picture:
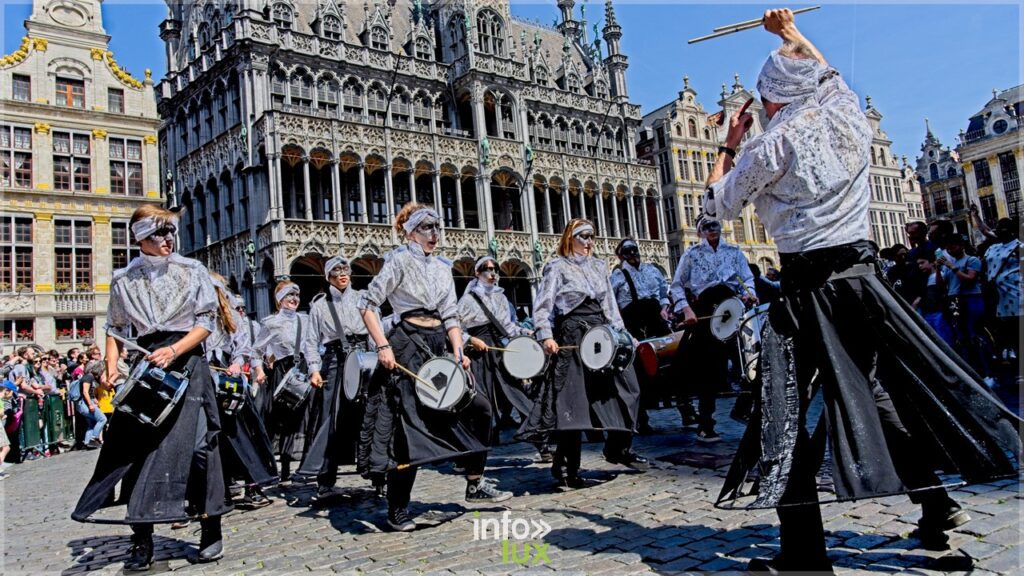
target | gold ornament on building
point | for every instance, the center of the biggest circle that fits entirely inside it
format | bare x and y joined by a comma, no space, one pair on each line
42,128
121,75
18,55
40,44
97,53
99,133
149,139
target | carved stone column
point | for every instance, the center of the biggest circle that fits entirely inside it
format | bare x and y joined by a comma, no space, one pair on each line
647,225
305,188
458,196
631,214
364,208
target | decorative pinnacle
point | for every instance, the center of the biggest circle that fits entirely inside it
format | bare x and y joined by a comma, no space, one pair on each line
737,86
609,14
867,100
928,127
686,82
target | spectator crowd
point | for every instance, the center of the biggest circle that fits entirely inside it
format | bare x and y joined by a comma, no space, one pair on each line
969,294
53,402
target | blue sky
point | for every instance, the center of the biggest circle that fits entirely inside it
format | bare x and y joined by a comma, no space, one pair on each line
915,59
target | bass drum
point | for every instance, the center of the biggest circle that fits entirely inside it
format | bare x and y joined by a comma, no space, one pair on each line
655,353
605,349
150,394
524,358
442,384
359,368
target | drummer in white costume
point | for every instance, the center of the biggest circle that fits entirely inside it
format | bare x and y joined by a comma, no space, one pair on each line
287,337
574,295
421,291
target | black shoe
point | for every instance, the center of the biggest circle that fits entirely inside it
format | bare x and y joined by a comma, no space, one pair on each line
483,491
140,556
629,459
326,493
569,483
708,436
946,519
211,544
780,565
381,490
399,520
256,498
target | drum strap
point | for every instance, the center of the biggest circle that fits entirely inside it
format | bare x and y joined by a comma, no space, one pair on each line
252,332
337,319
298,339
632,286
487,312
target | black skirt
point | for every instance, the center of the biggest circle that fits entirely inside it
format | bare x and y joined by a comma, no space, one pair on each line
246,450
397,430
289,427
335,420
167,474
498,387
839,318
571,397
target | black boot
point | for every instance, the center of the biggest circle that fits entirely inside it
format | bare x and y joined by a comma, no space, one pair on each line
211,543
140,554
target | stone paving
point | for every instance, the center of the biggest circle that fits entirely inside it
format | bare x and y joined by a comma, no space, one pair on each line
661,521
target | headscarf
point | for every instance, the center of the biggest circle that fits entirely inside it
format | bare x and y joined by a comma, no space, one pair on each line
337,261
784,79
145,227
583,229
289,289
419,217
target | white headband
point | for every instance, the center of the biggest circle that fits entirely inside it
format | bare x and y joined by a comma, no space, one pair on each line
144,227
337,262
220,285
237,301
484,260
419,217
289,289
583,229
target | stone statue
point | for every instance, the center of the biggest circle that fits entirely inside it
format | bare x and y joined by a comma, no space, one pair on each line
492,247
485,151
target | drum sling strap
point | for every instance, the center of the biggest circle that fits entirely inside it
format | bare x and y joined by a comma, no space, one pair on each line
252,333
490,317
298,341
337,320
632,286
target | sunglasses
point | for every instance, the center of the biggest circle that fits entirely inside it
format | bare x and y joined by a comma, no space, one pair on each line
586,237
339,272
165,233
290,297
491,269
429,228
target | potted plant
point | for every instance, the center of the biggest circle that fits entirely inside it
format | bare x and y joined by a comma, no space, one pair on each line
83,287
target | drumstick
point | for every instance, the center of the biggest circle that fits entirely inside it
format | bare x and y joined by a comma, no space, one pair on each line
741,26
416,376
760,20
218,369
501,349
130,344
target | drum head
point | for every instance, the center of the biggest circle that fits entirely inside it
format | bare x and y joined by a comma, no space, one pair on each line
727,318
525,359
358,365
448,383
292,373
648,355
598,347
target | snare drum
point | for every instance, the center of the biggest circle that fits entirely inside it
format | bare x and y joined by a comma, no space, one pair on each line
293,389
605,349
150,393
359,369
524,358
655,352
230,393
727,317
452,386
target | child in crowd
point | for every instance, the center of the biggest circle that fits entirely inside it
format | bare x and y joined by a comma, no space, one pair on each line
933,303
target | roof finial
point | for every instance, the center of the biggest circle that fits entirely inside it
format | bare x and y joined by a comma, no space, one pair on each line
995,93
686,82
609,14
737,86
928,127
867,99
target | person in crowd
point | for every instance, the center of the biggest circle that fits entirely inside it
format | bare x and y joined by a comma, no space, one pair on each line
707,274
172,472
897,404
962,273
765,288
1002,268
641,293
287,338
904,276
8,391
86,404
338,327
575,294
406,433
933,303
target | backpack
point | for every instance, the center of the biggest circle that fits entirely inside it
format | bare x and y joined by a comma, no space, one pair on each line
75,390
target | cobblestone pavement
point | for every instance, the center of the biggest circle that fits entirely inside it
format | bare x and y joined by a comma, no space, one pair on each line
661,522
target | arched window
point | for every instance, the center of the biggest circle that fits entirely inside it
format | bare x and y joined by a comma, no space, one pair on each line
423,49
278,87
379,38
707,134
327,96
456,27
331,28
951,172
933,171
561,135
421,112
376,104
600,90
352,98
691,124
490,32
508,119
573,84
679,130
301,89
283,15
874,159
204,36
541,75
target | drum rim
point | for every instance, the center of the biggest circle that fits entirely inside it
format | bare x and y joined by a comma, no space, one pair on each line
458,369
186,380
280,385
533,346
739,318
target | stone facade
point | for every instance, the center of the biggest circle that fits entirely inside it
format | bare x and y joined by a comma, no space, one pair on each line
79,155
992,156
944,193
895,194
295,131
678,139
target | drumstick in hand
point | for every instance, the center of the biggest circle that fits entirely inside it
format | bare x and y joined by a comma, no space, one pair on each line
416,376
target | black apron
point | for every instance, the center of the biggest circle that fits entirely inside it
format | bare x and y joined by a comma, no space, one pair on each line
167,474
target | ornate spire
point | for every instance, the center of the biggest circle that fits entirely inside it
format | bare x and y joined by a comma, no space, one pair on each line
609,14
736,86
867,101
928,127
